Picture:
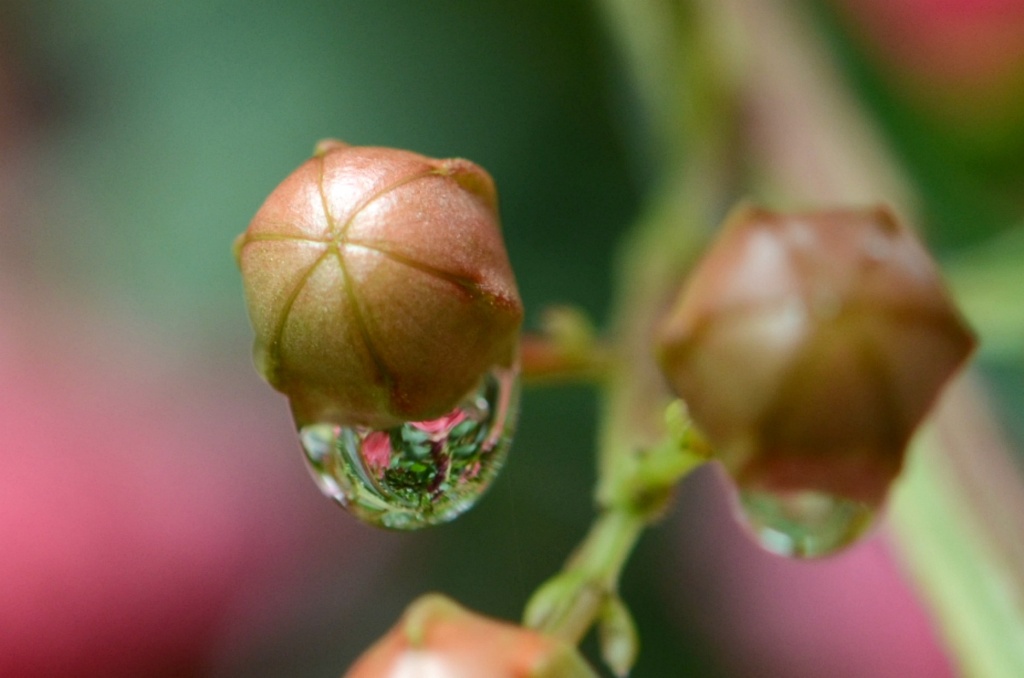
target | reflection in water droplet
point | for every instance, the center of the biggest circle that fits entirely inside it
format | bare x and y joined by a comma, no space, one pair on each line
804,524
420,473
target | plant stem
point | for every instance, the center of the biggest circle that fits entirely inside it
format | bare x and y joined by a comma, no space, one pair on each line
640,458
544,362
697,188
568,604
599,560
957,518
566,349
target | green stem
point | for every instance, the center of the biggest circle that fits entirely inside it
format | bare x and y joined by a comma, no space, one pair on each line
568,604
544,363
586,590
607,546
599,561
565,350
956,519
698,185
641,459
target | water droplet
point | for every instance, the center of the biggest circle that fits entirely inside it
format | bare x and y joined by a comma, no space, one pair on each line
804,524
420,473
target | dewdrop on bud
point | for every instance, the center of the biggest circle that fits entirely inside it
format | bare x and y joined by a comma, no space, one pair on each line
809,347
385,308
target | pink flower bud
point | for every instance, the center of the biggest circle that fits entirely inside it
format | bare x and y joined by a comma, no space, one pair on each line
810,346
436,637
963,60
378,285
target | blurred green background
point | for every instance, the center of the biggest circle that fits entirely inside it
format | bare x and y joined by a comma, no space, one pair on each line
139,138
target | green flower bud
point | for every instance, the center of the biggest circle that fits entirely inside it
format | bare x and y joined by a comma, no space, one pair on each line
810,346
378,286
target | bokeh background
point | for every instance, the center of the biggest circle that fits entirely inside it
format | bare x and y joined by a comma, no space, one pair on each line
155,515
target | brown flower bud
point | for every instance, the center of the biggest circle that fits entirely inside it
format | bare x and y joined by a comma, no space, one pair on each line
810,346
378,285
436,637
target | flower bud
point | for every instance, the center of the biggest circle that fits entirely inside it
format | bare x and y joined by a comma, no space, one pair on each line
378,285
810,346
436,637
960,61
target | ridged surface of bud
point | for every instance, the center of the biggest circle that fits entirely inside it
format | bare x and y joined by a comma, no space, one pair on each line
378,286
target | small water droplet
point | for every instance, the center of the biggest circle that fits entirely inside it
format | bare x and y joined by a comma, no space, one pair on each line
420,473
804,524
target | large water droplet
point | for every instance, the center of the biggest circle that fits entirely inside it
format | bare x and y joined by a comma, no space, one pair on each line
804,524
420,473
